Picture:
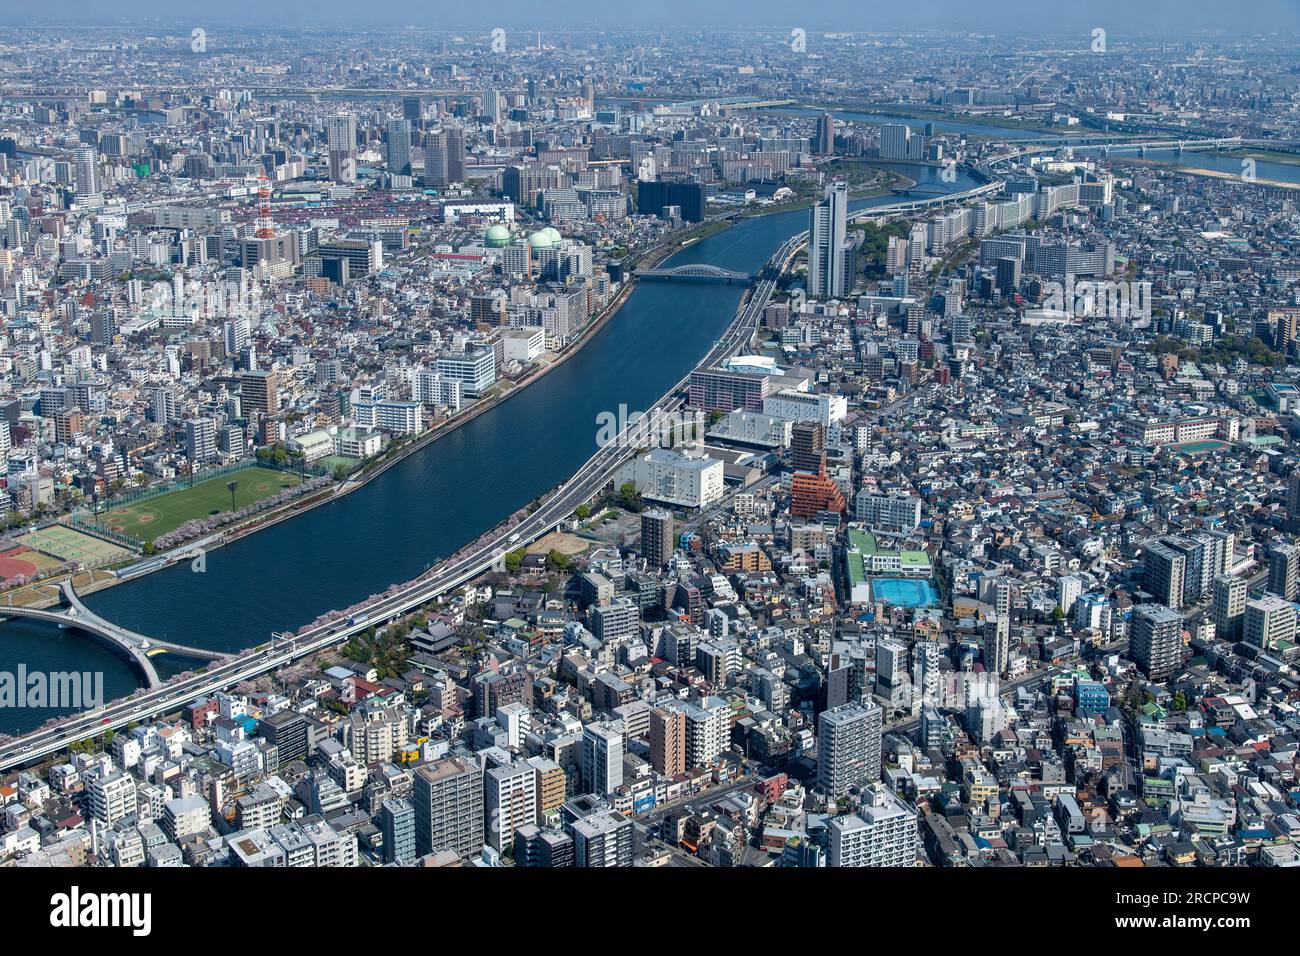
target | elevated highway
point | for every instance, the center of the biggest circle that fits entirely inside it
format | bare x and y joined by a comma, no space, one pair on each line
135,648
460,569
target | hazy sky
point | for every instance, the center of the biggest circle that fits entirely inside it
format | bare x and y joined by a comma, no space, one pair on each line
1118,17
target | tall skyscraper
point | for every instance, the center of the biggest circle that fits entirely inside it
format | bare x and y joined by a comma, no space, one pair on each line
86,173
341,132
898,142
341,144
455,154
413,110
448,801
997,633
657,544
1156,640
825,144
435,159
492,105
398,148
830,257
848,747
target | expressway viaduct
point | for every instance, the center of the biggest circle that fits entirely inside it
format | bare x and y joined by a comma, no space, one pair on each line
225,671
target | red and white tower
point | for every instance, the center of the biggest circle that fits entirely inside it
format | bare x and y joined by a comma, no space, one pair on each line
265,225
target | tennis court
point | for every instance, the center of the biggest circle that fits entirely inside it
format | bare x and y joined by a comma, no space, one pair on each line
67,544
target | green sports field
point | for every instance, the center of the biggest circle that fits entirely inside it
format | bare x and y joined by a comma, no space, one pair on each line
154,517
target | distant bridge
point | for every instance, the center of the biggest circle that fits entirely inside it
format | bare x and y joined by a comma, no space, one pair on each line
136,648
697,272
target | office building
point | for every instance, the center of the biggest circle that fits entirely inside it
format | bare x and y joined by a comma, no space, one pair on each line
683,479
474,369
287,731
652,198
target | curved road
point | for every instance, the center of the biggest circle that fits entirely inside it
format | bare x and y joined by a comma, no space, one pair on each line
588,481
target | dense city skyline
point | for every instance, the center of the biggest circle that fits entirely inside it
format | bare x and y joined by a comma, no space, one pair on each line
713,436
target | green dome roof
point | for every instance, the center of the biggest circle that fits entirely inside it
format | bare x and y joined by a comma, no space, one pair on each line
543,238
497,236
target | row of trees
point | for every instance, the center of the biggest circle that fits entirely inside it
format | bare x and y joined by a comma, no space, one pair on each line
198,527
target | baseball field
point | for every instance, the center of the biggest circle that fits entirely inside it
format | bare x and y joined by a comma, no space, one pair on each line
153,517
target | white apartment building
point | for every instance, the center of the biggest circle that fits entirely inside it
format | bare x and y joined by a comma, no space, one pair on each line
806,406
882,833
510,798
680,478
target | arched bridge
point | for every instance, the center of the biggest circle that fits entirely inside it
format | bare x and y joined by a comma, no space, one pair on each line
697,272
136,648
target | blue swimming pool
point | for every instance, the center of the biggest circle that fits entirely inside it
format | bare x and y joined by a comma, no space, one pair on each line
904,592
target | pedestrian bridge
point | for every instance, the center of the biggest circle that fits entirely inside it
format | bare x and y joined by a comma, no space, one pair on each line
136,648
697,272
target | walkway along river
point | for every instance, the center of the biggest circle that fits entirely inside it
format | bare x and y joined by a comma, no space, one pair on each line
431,503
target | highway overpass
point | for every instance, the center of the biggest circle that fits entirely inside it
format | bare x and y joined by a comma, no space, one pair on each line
589,480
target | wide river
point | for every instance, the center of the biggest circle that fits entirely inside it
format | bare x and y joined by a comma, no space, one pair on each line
431,503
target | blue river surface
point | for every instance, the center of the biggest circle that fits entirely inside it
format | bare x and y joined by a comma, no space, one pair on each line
431,503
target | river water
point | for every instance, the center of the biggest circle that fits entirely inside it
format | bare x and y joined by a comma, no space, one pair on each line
434,501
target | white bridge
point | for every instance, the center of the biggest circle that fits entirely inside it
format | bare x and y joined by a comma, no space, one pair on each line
697,272
136,648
